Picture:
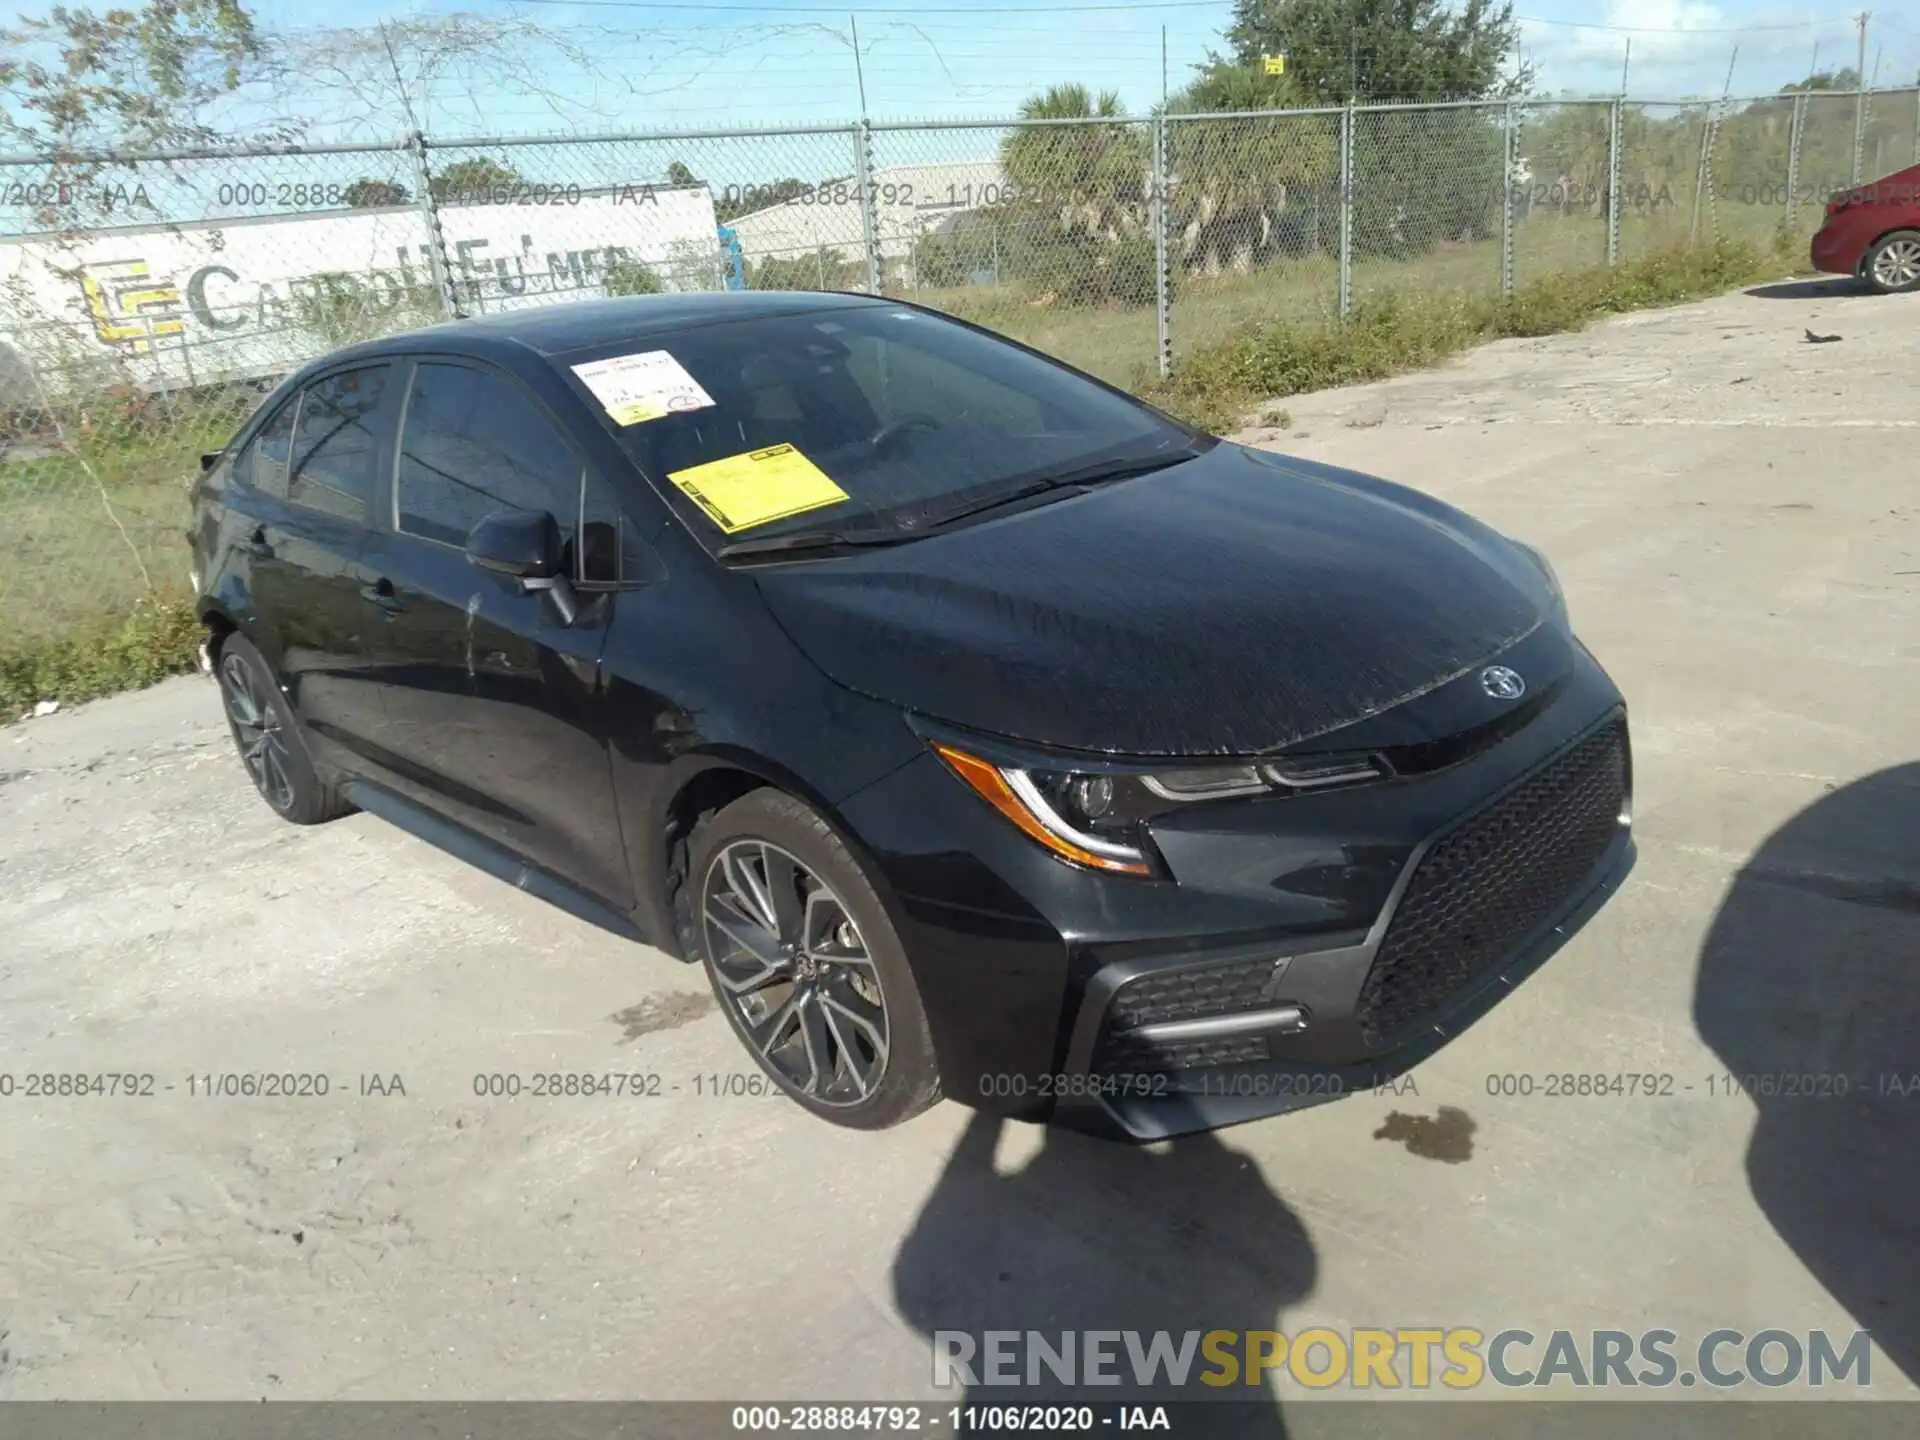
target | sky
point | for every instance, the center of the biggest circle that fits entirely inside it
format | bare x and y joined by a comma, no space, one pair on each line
607,65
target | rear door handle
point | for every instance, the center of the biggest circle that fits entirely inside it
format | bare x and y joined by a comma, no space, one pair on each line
380,594
257,543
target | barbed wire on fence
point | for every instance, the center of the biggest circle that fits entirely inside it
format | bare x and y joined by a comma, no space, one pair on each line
147,301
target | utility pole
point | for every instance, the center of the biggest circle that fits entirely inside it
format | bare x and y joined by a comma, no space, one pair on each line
1163,69
1625,61
1860,97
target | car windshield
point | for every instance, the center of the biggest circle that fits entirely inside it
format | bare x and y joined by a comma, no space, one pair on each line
864,421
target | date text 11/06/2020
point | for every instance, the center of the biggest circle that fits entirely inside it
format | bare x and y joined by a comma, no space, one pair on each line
1507,1084
67,1084
843,1419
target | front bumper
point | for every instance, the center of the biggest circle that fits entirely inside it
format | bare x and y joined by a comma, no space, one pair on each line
1153,1106
1308,948
1475,909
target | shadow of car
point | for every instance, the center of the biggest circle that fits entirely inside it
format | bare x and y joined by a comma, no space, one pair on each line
1809,994
1088,1238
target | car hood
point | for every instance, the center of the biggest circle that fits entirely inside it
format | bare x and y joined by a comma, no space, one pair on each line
1231,604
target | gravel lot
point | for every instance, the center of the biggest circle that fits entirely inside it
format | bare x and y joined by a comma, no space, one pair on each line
1733,512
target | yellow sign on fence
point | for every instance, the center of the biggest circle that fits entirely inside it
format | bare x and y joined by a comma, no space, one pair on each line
1276,64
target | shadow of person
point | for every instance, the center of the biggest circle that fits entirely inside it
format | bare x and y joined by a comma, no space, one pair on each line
1092,1236
1809,981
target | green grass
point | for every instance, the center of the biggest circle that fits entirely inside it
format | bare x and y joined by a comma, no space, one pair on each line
1405,329
103,656
94,587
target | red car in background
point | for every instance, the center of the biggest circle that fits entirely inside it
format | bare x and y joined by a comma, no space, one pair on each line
1873,232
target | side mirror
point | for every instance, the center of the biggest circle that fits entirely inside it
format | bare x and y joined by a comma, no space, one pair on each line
524,544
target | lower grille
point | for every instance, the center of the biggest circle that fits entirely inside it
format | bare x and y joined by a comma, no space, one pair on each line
1492,881
1129,1055
1197,992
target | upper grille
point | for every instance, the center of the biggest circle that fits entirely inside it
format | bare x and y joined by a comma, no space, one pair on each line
1492,881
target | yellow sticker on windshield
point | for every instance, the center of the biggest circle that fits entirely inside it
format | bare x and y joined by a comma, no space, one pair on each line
758,487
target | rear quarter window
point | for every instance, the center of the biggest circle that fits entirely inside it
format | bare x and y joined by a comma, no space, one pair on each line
336,446
262,464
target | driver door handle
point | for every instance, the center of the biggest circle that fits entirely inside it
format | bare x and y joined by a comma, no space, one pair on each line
380,594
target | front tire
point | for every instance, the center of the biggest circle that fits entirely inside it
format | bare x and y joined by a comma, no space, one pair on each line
271,743
805,963
1892,265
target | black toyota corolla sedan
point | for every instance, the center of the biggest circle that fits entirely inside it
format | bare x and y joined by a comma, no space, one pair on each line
982,731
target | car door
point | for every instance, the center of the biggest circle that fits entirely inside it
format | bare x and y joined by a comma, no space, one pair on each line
491,697
299,521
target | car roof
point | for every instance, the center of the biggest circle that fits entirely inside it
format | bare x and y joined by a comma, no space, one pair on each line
517,339
551,330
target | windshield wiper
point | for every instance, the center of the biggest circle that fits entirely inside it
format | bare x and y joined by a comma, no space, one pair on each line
812,540
1075,480
1066,482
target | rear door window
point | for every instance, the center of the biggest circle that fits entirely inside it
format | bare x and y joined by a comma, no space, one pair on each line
473,443
336,443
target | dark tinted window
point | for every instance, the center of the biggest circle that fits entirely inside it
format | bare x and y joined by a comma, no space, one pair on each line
263,464
610,547
336,445
473,443
906,413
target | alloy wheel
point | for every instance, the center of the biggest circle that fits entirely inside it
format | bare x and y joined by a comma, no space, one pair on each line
792,966
1898,264
256,727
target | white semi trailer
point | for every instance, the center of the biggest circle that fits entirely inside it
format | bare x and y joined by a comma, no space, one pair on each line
164,307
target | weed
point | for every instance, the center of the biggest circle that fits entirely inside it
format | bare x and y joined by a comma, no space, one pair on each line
1217,387
160,638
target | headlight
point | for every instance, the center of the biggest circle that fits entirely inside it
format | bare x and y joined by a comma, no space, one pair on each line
1098,818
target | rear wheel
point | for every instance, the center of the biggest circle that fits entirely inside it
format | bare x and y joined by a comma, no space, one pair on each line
806,965
1892,266
269,739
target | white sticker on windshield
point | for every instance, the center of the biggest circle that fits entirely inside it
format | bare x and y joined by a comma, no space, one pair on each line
646,386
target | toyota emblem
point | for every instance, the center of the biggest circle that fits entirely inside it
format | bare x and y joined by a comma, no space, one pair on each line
1502,683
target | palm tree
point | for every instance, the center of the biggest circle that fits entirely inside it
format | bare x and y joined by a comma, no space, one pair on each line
1090,176
1235,184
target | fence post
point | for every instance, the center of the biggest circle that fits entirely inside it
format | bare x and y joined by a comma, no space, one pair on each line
1859,128
1796,129
1614,129
1346,211
863,173
1700,178
1511,150
436,238
1162,296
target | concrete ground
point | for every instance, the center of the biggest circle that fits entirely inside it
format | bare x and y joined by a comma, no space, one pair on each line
1732,509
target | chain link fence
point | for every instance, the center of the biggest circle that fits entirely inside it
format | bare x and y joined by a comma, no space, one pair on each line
147,301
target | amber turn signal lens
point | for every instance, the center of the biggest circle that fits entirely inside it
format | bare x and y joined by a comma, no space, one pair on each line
985,780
